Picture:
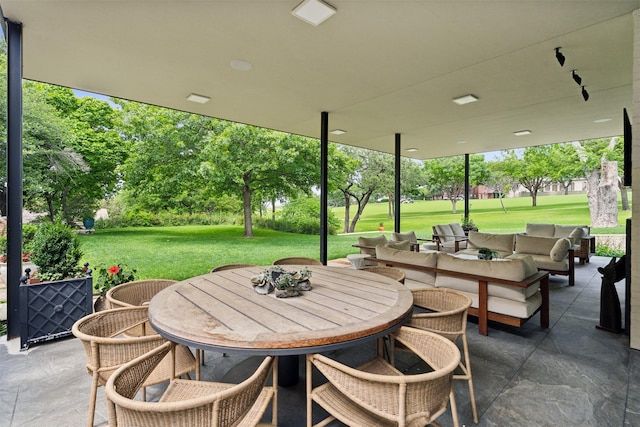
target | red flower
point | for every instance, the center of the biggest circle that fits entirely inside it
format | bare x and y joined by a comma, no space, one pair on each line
114,269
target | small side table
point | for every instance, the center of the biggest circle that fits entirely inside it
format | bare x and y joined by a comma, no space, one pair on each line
358,260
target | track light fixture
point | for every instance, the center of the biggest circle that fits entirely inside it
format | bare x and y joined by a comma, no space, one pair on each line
560,57
585,94
576,77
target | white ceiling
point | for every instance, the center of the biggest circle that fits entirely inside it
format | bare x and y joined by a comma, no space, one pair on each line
377,67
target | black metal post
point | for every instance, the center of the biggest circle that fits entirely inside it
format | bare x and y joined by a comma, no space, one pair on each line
14,176
466,185
324,184
396,201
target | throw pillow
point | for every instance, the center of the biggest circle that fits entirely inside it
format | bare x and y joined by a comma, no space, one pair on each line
401,237
371,241
560,250
577,235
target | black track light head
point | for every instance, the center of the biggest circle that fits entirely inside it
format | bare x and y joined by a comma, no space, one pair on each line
585,94
560,57
576,77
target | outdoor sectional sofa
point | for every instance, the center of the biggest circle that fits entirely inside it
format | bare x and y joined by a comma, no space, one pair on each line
580,236
508,291
555,255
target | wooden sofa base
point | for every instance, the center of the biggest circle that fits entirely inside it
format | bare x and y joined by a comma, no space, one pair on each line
482,312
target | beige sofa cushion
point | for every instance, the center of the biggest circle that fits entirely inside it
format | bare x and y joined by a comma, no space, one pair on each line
526,244
509,306
371,241
577,235
514,270
541,230
426,259
401,237
501,243
544,262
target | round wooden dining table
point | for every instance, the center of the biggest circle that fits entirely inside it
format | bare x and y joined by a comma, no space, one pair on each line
222,312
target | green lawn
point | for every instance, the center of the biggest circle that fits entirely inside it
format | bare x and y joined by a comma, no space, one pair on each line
181,252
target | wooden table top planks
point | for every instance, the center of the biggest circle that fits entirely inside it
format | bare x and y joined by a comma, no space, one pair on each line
221,312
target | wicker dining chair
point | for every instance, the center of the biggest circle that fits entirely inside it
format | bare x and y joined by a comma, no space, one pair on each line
231,267
134,294
297,261
377,394
189,403
390,272
447,316
107,347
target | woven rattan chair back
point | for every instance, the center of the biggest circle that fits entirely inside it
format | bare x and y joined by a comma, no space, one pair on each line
230,267
134,294
107,344
390,272
447,316
378,394
187,403
297,261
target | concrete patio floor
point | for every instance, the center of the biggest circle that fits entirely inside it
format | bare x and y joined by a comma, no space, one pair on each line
568,375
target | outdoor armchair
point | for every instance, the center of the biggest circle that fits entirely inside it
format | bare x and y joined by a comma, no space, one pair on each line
377,394
107,347
189,403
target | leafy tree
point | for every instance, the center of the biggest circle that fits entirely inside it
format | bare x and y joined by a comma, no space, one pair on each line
247,160
371,171
166,150
564,165
532,169
446,175
500,181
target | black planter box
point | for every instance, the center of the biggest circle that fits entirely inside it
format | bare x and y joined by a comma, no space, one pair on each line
48,310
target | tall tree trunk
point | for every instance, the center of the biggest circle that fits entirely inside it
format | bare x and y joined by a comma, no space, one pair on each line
246,207
347,214
624,195
534,198
273,208
453,205
500,196
592,195
607,200
390,210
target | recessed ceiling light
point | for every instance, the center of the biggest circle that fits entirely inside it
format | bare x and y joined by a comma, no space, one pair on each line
467,99
602,120
338,132
522,133
240,65
313,12
200,99
461,142
411,150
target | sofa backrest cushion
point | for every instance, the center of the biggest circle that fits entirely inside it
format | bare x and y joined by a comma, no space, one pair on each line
574,232
457,229
560,249
506,269
498,242
425,259
540,230
445,233
371,241
534,245
401,237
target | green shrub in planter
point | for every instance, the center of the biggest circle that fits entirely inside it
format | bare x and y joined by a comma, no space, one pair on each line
56,251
